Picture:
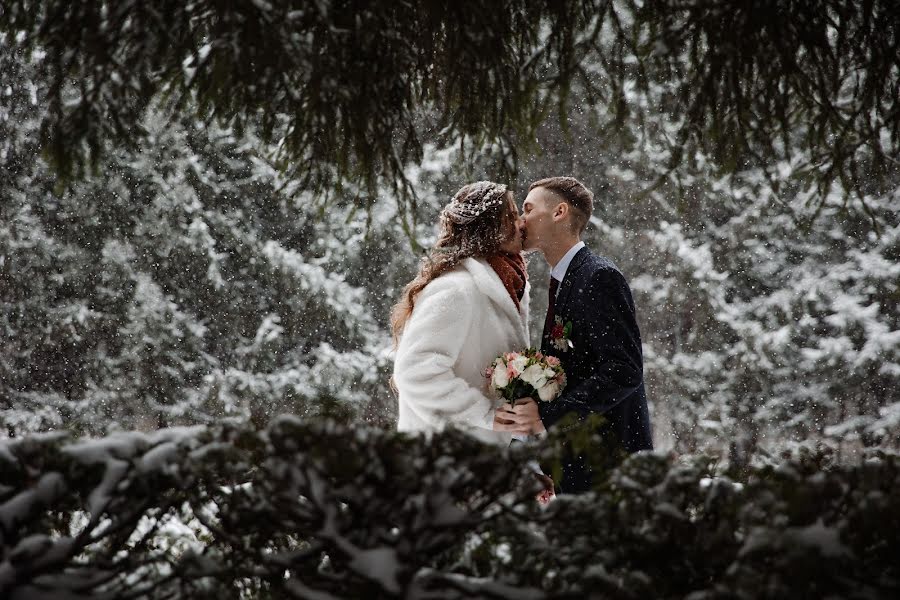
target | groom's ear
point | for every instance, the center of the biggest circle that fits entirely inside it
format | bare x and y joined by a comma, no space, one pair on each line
561,211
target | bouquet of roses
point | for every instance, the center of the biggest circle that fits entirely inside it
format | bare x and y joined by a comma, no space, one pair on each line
527,373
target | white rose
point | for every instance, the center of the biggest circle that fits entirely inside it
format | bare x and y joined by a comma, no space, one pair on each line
500,378
549,373
518,364
549,392
534,375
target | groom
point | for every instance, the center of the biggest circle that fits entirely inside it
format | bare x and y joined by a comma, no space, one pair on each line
590,327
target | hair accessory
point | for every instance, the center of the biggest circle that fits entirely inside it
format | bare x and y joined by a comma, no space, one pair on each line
480,196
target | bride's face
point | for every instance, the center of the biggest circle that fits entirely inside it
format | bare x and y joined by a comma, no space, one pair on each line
512,229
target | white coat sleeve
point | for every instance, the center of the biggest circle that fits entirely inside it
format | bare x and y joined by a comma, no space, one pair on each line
524,308
430,345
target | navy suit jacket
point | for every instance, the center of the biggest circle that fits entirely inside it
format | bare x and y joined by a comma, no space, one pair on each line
605,368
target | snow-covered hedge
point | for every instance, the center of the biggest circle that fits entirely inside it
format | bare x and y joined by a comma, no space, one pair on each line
303,510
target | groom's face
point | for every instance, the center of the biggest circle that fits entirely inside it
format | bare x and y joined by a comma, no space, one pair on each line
537,214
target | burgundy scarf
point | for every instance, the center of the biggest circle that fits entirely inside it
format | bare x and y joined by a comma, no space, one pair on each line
511,270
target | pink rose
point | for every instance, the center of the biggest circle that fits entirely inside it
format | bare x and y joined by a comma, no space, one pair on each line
552,361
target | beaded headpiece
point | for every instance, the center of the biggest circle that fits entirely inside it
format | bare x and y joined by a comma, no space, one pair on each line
483,194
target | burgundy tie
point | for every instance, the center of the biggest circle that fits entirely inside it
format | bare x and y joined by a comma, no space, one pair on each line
551,307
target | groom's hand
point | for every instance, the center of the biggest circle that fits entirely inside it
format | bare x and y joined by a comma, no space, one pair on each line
526,411
507,420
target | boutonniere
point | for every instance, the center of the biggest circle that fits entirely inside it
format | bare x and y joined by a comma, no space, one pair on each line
560,335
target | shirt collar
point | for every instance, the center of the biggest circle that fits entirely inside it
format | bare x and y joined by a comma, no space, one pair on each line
559,271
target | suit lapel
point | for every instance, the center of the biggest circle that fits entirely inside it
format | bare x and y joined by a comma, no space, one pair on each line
565,291
568,282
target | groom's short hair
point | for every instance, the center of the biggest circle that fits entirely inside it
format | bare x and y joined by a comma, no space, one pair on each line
575,194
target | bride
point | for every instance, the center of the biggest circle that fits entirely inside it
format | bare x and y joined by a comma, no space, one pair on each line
467,305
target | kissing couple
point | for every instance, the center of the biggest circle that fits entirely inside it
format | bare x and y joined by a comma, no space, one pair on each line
468,305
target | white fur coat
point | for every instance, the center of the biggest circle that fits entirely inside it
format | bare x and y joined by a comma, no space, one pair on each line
460,323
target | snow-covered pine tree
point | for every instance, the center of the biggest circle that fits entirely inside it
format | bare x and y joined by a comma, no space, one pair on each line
177,284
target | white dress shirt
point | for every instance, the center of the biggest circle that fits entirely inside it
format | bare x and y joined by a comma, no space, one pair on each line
558,272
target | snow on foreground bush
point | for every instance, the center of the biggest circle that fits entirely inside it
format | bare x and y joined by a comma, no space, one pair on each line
302,510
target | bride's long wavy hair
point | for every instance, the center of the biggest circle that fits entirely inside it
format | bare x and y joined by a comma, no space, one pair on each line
475,223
